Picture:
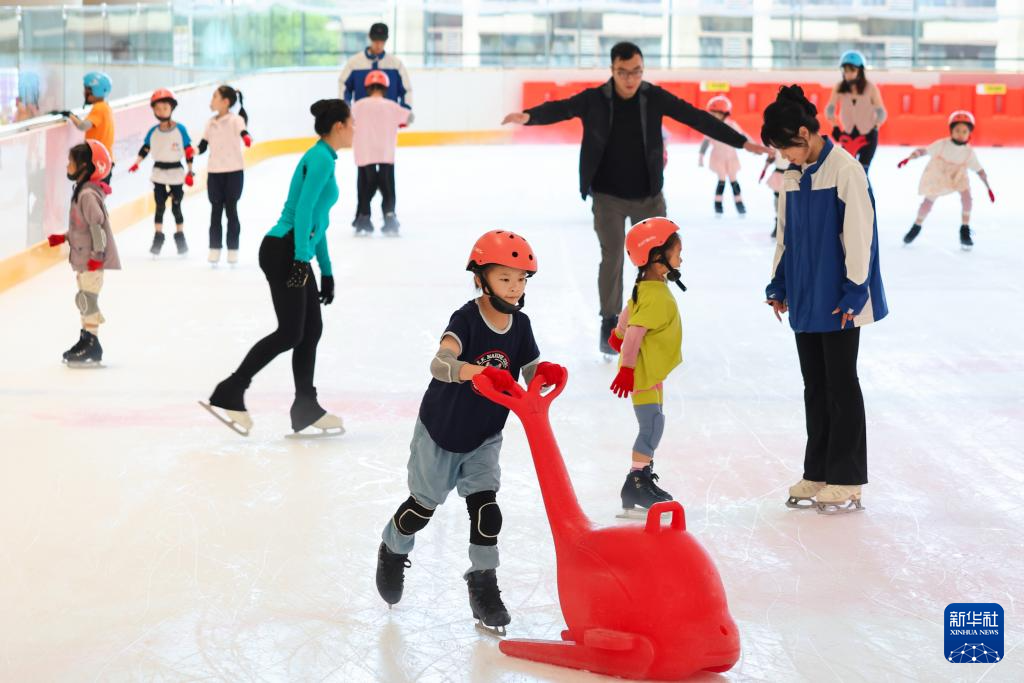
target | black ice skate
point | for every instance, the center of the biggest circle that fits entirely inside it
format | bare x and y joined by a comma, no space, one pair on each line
391,225
158,243
640,491
179,242
912,234
363,225
740,209
719,209
966,243
88,355
391,574
77,347
485,601
775,230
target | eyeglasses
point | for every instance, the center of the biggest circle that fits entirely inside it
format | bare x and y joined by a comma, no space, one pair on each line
626,75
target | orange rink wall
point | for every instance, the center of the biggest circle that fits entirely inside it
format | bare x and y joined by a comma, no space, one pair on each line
917,115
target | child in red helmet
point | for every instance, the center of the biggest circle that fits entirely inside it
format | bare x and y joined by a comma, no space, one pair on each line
951,158
649,338
91,242
457,437
169,143
724,161
373,146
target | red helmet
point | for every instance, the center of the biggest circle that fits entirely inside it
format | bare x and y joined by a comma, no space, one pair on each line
961,116
163,95
101,160
502,248
646,235
720,103
376,77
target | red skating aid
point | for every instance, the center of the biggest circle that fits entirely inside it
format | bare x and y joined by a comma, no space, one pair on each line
605,575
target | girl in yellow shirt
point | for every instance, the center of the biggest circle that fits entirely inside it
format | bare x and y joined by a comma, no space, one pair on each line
649,338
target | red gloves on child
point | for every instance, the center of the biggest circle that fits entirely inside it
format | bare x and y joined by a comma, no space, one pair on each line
56,240
615,341
903,163
992,195
247,139
623,383
93,264
501,379
133,168
550,373
190,178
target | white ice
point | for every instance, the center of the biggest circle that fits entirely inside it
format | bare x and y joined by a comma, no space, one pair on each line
141,540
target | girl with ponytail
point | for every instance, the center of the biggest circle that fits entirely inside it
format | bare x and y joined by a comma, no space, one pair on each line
224,136
826,275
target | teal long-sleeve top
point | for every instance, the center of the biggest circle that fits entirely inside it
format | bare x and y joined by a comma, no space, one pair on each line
312,193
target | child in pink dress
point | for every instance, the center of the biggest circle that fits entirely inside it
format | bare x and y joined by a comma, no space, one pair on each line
951,158
373,146
724,161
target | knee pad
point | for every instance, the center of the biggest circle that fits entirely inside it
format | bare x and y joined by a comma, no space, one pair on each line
720,187
411,517
484,518
88,303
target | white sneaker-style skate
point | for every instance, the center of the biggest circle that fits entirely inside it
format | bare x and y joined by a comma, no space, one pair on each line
214,257
328,425
835,499
232,256
237,421
801,494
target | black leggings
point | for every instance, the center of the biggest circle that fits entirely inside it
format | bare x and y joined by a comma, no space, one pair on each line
837,451
372,178
160,194
224,191
866,153
299,324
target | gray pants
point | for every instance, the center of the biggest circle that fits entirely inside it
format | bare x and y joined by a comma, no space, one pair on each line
434,472
610,214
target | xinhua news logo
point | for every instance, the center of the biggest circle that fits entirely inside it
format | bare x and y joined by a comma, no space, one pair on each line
974,633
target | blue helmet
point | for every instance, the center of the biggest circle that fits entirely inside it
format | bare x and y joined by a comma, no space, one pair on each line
853,58
98,82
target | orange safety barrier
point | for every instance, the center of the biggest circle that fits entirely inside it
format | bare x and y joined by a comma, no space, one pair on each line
917,116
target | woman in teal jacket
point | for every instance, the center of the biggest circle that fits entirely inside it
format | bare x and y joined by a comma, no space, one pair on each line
285,256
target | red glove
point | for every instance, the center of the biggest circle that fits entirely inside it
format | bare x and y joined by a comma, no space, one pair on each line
134,168
190,153
615,341
992,195
903,163
56,240
93,264
623,383
501,379
190,179
247,139
549,372
403,125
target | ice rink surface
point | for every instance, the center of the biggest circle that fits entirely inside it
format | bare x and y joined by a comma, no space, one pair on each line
141,540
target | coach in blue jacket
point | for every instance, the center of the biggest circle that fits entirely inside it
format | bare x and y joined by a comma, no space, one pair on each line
621,157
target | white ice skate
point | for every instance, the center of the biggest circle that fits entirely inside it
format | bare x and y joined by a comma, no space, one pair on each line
328,426
835,499
214,257
801,494
232,257
237,421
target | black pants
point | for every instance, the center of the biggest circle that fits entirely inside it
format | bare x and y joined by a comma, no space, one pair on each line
299,324
372,178
160,193
224,191
837,451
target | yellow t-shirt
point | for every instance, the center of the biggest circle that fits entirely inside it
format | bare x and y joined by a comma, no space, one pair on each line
661,349
102,118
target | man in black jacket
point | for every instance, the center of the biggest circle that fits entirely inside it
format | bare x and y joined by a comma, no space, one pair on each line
621,158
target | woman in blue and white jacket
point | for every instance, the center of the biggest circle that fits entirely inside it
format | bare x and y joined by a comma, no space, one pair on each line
826,275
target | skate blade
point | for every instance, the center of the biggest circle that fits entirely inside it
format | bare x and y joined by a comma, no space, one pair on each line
839,508
493,631
965,248
86,365
231,424
321,434
801,503
639,514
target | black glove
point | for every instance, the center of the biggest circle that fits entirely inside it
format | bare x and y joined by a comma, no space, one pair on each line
299,274
837,132
326,289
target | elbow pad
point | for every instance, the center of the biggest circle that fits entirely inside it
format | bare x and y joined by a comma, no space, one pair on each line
880,116
203,145
445,366
144,151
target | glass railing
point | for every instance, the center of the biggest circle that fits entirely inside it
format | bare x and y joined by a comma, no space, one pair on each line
45,51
